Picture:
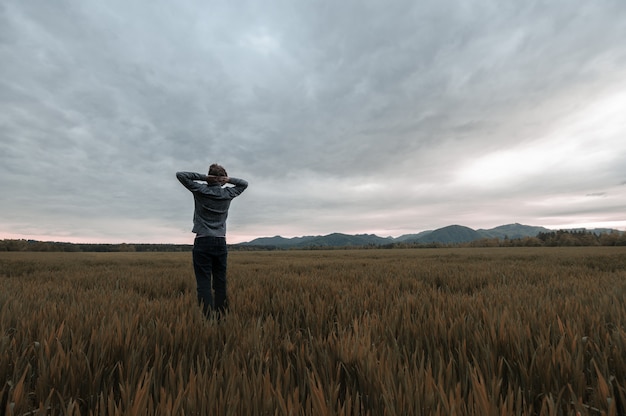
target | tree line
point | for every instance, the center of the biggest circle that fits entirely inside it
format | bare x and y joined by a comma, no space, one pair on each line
560,238
43,246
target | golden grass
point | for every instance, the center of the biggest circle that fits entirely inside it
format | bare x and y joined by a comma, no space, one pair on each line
518,331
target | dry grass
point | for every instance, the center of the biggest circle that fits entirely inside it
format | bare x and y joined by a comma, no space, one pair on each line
394,332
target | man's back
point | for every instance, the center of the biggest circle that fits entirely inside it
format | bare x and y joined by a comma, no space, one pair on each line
211,202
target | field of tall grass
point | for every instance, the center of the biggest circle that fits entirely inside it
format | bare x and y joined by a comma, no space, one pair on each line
504,331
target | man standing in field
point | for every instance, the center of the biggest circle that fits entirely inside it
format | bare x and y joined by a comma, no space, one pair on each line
212,198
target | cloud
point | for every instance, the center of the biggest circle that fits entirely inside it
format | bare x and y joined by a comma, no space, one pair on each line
351,116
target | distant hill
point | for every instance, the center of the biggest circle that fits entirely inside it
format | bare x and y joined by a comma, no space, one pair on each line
513,231
452,234
338,240
411,237
330,240
277,241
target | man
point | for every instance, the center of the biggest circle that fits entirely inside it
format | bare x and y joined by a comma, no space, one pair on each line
212,198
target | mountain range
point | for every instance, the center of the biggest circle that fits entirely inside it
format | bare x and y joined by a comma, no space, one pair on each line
452,234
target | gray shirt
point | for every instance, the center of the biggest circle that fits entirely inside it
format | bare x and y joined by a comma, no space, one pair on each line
211,202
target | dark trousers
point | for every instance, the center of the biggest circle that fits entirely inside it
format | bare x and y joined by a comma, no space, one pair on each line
209,264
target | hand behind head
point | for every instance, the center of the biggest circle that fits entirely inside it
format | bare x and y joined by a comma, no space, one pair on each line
212,180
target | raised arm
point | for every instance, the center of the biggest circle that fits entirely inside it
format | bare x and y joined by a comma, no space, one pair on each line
188,179
240,185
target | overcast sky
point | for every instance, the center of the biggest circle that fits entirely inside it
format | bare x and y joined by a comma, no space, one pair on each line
385,117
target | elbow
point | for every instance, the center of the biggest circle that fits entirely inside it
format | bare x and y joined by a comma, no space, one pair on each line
181,177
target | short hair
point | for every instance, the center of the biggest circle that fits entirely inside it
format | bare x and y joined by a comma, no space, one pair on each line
217,170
